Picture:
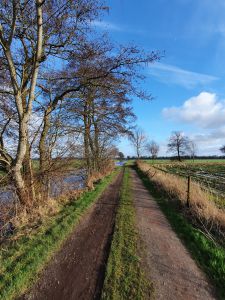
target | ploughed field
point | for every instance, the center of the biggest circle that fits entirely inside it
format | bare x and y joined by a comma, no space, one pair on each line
210,174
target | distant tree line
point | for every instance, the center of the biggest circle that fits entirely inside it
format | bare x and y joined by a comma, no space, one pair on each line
179,147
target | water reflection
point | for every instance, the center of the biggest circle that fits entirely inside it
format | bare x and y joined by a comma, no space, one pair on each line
70,182
74,180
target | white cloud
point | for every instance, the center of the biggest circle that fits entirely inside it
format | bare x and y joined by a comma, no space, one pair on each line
204,110
172,74
206,113
209,142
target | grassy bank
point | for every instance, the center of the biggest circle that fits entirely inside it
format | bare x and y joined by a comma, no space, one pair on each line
210,257
202,210
22,260
124,277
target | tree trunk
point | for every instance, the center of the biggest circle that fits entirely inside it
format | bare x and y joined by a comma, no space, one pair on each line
86,147
24,113
178,154
96,142
28,172
88,144
43,149
138,154
44,155
18,163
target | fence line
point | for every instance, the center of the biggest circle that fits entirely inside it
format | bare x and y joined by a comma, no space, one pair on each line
190,182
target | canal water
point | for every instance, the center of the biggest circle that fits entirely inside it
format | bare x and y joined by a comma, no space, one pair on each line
74,180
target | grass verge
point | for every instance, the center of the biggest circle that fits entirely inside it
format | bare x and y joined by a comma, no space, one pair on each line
209,257
22,260
124,278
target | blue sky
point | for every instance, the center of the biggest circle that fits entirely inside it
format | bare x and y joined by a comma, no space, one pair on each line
189,81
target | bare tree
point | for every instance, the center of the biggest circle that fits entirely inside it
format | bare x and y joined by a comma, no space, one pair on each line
179,144
222,149
138,140
153,148
106,77
11,26
30,33
121,155
88,95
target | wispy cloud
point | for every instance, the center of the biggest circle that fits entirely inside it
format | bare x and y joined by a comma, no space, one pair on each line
175,75
106,25
109,26
206,22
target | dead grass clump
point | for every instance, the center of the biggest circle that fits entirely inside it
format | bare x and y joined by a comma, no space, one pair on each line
96,176
24,221
202,209
93,178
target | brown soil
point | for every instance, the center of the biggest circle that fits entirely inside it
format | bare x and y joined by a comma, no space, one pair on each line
174,273
77,270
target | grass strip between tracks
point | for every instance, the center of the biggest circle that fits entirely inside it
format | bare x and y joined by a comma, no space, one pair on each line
124,276
22,260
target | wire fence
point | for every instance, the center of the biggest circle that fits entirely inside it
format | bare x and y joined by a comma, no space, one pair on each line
206,181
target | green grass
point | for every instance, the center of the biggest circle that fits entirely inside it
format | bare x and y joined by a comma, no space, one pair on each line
124,276
211,168
186,161
158,161
130,162
65,164
209,257
2,173
21,261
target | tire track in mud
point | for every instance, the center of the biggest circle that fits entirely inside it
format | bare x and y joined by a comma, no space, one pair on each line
77,270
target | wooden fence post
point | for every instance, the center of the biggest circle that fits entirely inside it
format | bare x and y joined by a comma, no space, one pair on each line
188,190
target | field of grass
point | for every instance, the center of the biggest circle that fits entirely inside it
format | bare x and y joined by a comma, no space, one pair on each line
185,161
209,256
23,259
62,164
124,277
210,174
211,168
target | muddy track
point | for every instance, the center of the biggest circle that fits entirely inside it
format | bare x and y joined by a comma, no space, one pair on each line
174,274
77,270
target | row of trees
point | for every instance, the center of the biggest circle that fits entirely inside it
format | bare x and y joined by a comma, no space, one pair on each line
179,145
65,90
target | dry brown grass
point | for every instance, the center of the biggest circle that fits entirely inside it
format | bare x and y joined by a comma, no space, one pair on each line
106,169
26,219
43,209
202,210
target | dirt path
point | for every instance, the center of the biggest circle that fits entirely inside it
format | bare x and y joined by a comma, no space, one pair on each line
174,273
77,271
